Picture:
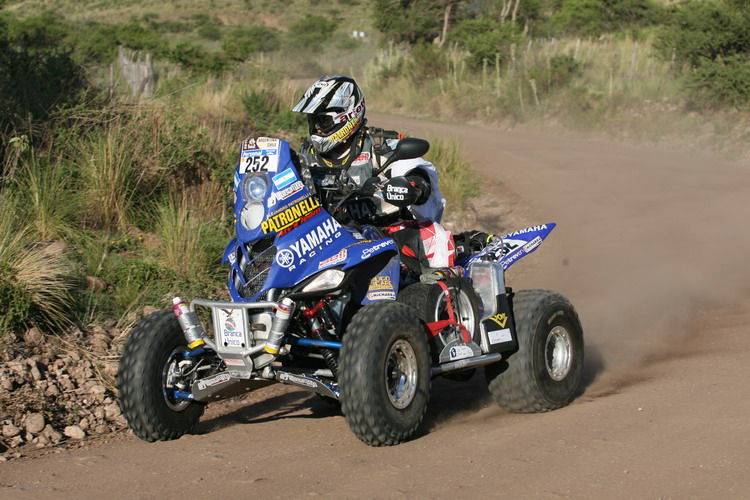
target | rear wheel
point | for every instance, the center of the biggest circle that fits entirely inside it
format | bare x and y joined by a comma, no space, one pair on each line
384,374
150,370
545,372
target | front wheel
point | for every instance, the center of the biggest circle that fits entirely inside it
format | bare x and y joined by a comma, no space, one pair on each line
384,374
429,302
545,372
150,370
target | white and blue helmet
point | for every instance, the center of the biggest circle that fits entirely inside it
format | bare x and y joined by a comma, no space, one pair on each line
335,109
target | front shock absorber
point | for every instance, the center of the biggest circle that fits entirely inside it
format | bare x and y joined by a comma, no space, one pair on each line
279,326
319,320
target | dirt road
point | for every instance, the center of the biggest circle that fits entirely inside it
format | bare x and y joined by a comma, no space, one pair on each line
652,249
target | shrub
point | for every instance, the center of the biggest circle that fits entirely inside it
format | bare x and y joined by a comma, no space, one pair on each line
706,30
428,62
209,32
195,59
408,21
595,17
486,39
34,280
310,32
721,82
242,42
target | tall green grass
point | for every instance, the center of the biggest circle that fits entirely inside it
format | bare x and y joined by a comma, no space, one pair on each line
44,196
457,181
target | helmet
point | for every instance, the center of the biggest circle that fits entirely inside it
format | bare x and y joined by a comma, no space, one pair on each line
335,111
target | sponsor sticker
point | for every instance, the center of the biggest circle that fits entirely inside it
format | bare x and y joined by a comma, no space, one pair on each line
232,333
500,318
322,235
297,380
532,244
276,196
289,218
369,251
330,261
212,381
284,258
381,295
345,116
381,283
460,352
364,157
234,362
346,130
500,336
527,230
284,178
248,144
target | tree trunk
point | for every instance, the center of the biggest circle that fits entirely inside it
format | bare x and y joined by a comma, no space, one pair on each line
446,20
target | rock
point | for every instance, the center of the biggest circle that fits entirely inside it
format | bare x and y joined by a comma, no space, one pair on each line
35,423
33,336
97,390
96,284
112,411
53,390
35,372
84,424
7,384
101,429
74,432
50,433
110,368
10,431
99,342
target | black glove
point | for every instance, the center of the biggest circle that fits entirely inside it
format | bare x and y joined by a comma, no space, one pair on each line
472,241
400,192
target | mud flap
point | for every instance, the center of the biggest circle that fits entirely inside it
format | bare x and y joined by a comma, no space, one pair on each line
499,331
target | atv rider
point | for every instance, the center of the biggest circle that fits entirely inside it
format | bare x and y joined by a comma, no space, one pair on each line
402,199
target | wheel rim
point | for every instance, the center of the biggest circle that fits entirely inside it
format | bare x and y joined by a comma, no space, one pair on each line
171,375
558,353
461,309
401,374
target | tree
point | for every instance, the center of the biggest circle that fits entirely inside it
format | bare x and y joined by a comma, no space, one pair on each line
410,21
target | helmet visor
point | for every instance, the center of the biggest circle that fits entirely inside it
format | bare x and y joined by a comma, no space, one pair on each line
321,123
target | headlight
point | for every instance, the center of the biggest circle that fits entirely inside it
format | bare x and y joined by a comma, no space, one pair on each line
330,278
252,215
255,187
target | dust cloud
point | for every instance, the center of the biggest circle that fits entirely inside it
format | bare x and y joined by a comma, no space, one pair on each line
646,240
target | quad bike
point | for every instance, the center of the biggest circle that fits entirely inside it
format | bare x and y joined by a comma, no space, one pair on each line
326,307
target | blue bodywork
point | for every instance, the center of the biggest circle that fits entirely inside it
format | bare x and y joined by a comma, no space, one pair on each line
306,239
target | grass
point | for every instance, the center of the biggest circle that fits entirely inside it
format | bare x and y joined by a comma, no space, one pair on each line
183,233
584,84
44,196
35,282
456,177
